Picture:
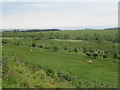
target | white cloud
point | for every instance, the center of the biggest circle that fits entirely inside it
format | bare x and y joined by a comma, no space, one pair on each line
35,6
101,15
55,20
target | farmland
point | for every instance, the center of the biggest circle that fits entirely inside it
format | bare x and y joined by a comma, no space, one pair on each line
58,59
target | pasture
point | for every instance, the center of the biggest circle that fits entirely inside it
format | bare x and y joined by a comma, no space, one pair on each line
58,59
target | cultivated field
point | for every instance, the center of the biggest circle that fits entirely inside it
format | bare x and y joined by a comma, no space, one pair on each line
60,59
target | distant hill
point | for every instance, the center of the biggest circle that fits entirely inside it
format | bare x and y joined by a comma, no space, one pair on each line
116,28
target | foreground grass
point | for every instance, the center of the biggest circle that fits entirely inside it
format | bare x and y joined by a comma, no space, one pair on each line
72,69
17,74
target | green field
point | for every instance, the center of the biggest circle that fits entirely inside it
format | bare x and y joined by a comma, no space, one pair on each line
58,59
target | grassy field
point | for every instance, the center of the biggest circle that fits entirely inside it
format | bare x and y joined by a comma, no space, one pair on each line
59,59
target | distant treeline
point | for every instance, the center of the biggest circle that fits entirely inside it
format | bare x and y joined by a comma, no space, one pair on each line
31,30
40,30
116,28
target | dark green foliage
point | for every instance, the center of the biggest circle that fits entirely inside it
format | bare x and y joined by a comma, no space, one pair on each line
88,54
75,50
4,41
115,55
91,49
78,38
33,44
40,46
56,48
70,50
66,76
65,48
105,56
84,49
46,47
95,54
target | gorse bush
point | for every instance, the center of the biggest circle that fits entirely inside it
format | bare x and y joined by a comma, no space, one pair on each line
88,54
56,48
33,44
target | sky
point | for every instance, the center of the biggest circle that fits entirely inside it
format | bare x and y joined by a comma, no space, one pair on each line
62,15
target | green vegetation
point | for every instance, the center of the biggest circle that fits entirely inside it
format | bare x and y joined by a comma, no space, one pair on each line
58,59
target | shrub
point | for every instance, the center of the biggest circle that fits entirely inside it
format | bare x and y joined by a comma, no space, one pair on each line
65,48
41,46
105,56
4,41
46,47
88,54
33,44
75,50
95,54
66,76
56,48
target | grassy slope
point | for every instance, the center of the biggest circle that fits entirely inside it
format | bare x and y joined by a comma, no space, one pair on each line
18,75
99,72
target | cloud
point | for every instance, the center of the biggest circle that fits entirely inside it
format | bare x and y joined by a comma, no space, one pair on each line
36,6
55,20
57,15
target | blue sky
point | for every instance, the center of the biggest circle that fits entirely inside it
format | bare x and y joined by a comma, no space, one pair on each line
59,14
